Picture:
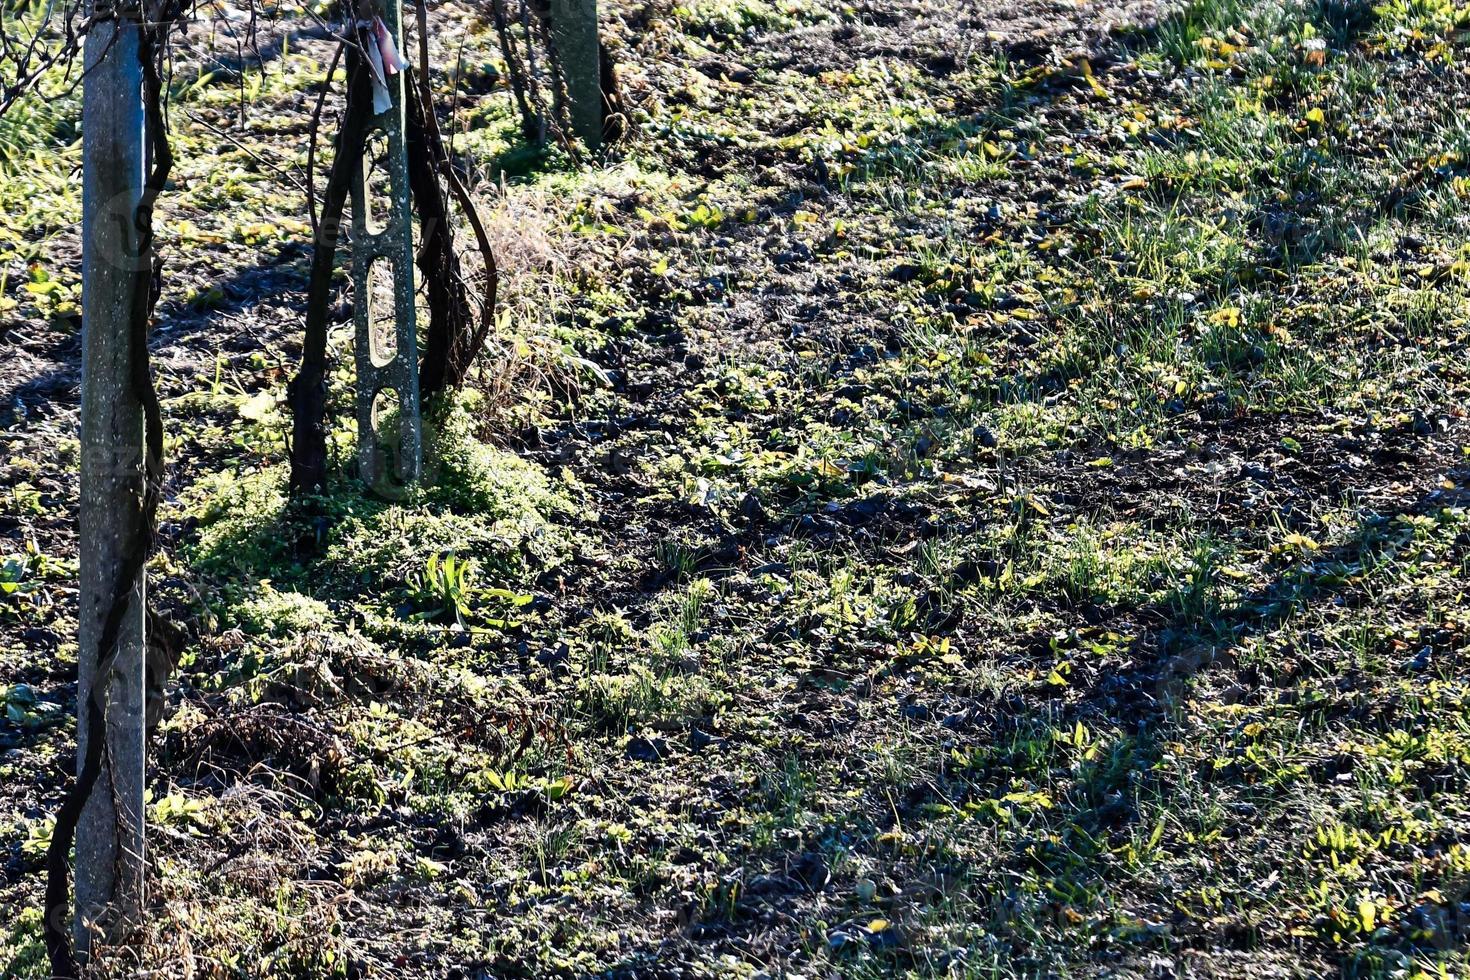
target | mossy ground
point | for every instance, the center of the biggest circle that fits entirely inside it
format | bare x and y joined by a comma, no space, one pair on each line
961,493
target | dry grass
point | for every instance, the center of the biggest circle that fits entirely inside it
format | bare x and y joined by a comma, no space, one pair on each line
530,360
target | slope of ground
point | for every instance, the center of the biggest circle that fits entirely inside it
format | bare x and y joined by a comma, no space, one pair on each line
969,490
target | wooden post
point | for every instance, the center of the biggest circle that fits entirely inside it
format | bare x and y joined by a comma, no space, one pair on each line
109,843
574,26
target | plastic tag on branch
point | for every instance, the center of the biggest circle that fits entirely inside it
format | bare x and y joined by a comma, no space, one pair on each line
382,99
393,62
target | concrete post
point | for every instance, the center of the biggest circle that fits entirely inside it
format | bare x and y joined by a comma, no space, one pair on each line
109,842
574,26
387,359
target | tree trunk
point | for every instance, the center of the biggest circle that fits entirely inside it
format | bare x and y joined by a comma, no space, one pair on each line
451,320
307,392
574,26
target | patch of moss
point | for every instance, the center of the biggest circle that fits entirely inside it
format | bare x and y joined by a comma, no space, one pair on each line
242,520
471,477
478,501
22,953
279,614
395,541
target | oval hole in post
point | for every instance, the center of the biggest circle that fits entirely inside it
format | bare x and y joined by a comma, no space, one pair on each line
377,197
382,313
386,419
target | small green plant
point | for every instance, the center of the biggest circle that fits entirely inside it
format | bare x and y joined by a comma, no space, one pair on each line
1195,597
677,559
38,839
54,299
20,583
24,708
444,589
514,782
27,499
16,576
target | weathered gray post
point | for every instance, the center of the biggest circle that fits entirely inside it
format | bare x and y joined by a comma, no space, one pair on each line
382,276
109,842
574,26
